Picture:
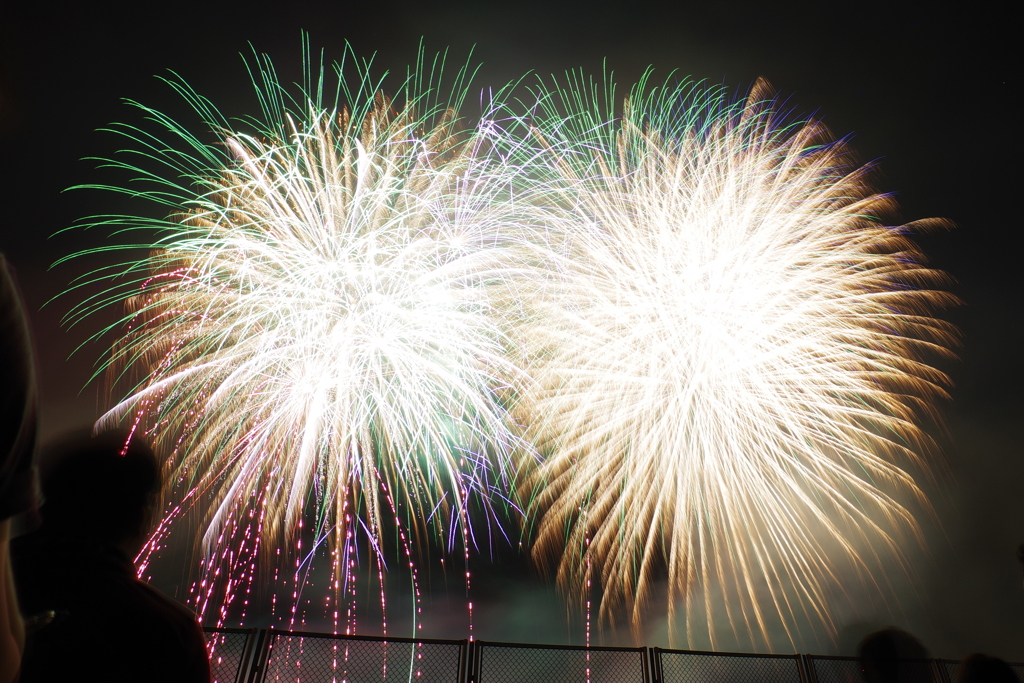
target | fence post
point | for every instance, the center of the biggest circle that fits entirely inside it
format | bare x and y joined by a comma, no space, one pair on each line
806,670
242,675
651,672
468,673
260,652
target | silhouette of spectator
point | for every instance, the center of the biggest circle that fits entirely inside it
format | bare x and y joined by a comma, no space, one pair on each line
894,656
99,501
18,488
979,668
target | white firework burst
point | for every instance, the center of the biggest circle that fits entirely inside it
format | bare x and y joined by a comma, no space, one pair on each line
725,350
315,328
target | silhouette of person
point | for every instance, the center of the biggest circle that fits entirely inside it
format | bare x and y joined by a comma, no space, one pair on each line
979,668
894,656
18,487
100,494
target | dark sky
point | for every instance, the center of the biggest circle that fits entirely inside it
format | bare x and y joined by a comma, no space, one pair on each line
926,92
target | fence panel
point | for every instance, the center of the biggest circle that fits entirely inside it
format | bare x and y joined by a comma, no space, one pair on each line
517,663
848,670
824,669
230,650
298,657
690,666
949,668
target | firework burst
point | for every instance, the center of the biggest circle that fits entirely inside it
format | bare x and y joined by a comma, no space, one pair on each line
725,345
315,328
725,350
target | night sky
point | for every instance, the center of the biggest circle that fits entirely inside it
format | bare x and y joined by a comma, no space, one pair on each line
926,93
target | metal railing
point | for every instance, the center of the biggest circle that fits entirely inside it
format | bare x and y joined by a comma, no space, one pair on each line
273,656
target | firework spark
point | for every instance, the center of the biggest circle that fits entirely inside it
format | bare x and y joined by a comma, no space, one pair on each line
726,350
315,327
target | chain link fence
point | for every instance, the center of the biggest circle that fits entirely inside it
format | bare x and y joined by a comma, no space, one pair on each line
688,666
321,658
949,668
230,650
823,669
517,663
257,656
849,670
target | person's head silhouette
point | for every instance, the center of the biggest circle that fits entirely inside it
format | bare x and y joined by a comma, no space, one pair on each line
101,489
893,656
100,492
